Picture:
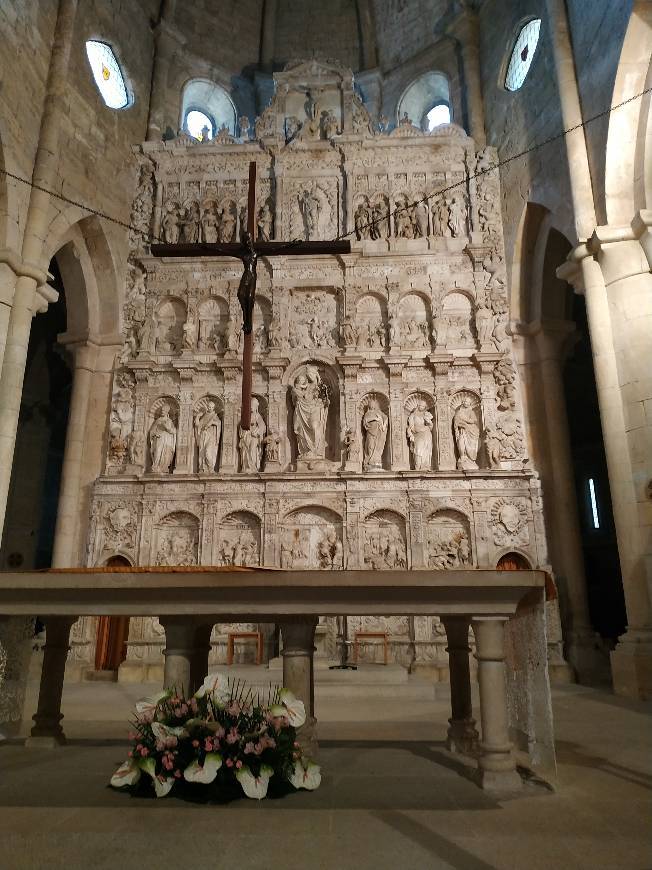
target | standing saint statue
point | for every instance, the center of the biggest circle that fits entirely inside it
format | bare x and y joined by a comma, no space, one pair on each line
311,400
467,434
162,441
374,424
250,443
208,428
419,434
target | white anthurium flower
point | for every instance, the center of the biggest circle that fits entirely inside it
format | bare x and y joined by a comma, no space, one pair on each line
148,766
216,685
295,709
206,773
127,774
163,785
306,775
149,705
254,786
162,732
276,710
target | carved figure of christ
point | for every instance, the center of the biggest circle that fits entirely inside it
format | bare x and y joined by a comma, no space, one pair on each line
248,251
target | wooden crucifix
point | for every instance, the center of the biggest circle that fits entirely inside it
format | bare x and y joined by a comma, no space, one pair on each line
248,250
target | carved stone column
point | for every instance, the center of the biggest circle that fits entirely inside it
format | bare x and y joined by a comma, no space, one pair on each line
276,411
399,453
497,764
47,731
271,555
183,460
417,543
351,365
462,734
298,676
486,363
354,557
187,644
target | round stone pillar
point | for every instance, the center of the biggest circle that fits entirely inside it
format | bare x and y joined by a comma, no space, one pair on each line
187,645
462,734
47,731
298,675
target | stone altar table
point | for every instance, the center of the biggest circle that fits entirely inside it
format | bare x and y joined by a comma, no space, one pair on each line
189,602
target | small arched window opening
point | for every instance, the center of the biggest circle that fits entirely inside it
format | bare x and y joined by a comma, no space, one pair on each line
107,74
206,104
199,125
522,54
438,115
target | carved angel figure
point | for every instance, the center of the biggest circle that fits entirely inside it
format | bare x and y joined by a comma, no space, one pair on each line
171,223
419,435
162,441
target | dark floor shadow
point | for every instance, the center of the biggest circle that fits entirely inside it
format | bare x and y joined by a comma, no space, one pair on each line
572,753
434,843
604,695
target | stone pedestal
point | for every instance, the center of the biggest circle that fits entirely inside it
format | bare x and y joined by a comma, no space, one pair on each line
298,676
47,731
497,764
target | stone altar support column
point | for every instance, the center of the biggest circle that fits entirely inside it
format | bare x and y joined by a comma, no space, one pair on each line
298,676
497,764
63,555
462,734
25,298
187,644
47,731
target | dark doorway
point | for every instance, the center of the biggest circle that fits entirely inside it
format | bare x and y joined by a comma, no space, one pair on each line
112,632
28,537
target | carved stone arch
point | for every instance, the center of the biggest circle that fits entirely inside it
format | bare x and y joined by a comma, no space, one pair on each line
373,430
513,559
201,407
417,426
457,311
238,539
312,537
176,539
469,452
448,540
170,315
331,378
385,540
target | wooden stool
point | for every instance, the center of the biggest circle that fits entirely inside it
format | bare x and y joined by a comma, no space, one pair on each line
367,634
244,635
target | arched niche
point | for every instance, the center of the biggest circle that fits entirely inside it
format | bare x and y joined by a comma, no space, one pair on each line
262,317
384,544
159,451
314,315
213,314
457,321
466,429
513,561
313,405
448,540
238,540
176,540
228,220
112,631
213,100
254,452
414,318
371,434
207,421
423,94
311,537
371,321
170,316
420,428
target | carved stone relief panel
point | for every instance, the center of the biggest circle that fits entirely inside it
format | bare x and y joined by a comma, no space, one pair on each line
213,318
311,537
238,540
384,543
414,318
176,539
448,540
314,317
370,322
170,317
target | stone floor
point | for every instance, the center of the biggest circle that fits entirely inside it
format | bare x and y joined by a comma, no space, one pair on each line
391,796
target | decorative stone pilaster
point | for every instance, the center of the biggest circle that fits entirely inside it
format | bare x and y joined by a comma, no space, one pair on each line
352,460
399,454
183,461
271,555
276,413
354,558
417,543
229,458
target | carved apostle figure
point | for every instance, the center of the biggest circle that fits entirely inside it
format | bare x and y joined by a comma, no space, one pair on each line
440,218
209,225
484,323
189,334
310,207
250,443
349,332
171,223
420,220
265,223
457,216
419,435
162,441
208,427
311,400
191,224
374,425
394,331
121,423
227,223
467,434
147,333
362,220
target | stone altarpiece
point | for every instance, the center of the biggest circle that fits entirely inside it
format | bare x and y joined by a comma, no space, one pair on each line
388,428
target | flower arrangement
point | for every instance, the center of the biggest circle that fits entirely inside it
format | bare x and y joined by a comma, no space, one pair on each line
218,738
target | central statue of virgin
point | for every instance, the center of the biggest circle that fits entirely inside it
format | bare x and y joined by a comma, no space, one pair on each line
311,399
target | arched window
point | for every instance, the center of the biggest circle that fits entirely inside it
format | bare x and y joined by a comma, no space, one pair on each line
107,74
427,101
199,125
522,54
205,103
438,115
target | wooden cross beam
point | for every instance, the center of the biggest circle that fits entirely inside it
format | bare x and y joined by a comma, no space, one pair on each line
248,251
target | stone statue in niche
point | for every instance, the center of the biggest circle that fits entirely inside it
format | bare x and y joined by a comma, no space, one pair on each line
260,338
351,445
330,551
292,127
250,443
349,332
331,127
484,323
403,221
208,428
440,330
320,333
162,441
121,422
171,223
147,334
232,336
130,347
419,433
265,223
374,425
467,434
292,550
394,331
274,334
310,208
209,224
457,216
415,334
227,223
189,334
311,400
440,216
271,443
493,437
419,220
136,449
362,219
242,222
191,224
